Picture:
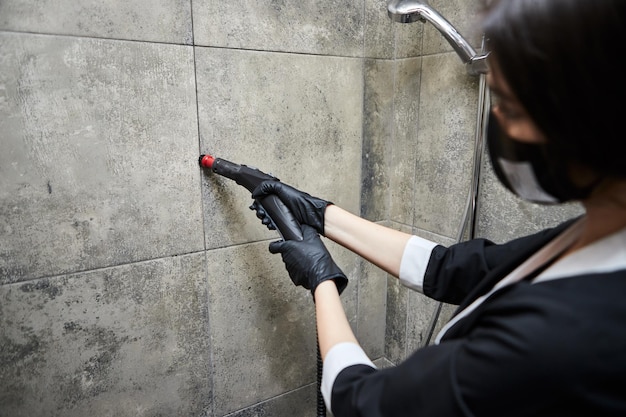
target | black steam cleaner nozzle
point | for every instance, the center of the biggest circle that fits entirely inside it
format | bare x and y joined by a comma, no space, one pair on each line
250,178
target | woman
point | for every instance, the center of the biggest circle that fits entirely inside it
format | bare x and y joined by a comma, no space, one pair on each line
540,328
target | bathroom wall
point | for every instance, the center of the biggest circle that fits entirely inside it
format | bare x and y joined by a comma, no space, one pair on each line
431,163
134,284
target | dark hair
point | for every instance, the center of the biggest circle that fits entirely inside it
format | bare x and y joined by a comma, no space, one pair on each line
564,60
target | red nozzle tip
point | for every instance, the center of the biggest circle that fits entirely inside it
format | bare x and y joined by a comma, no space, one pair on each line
206,161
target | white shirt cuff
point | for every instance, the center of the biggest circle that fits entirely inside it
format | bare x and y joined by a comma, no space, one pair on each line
414,262
337,359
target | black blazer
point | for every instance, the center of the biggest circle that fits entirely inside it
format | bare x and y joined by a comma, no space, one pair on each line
554,348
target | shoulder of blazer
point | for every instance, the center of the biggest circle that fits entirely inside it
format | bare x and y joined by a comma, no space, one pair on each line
525,247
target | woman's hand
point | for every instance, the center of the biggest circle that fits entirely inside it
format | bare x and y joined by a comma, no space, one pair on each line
305,208
308,261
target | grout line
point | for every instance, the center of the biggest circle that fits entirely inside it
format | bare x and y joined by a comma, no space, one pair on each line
130,263
101,268
391,145
195,80
211,367
193,44
269,400
69,35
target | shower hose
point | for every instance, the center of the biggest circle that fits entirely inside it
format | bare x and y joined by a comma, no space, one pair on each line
321,406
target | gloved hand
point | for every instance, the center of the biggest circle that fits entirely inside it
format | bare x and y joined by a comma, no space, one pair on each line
305,208
308,261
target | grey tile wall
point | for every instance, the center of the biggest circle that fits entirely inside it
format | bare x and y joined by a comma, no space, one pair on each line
262,327
405,141
386,39
447,119
154,21
99,156
431,157
303,27
133,282
128,340
356,28
378,136
396,321
296,116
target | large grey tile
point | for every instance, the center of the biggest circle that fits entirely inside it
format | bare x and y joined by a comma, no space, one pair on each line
328,28
448,111
378,108
124,341
99,154
420,317
263,332
396,337
379,31
405,141
296,116
155,21
372,309
409,39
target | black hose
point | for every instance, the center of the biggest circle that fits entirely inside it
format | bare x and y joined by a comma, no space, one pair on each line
321,406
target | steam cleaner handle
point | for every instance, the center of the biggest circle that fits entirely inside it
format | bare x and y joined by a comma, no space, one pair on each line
250,178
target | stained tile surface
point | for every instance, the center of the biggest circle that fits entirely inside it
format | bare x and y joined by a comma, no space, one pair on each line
99,160
444,157
298,117
304,27
128,340
262,326
151,20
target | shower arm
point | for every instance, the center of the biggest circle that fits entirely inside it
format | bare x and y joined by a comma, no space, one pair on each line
409,11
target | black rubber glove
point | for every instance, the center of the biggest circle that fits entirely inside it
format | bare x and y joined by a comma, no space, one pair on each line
308,261
305,208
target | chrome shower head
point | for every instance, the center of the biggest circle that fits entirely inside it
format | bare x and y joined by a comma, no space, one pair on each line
409,11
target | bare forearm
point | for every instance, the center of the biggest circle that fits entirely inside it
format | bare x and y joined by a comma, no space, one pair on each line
332,324
380,245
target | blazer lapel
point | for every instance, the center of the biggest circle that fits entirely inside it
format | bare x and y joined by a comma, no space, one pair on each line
501,271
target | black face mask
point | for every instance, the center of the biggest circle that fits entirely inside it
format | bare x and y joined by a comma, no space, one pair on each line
529,171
